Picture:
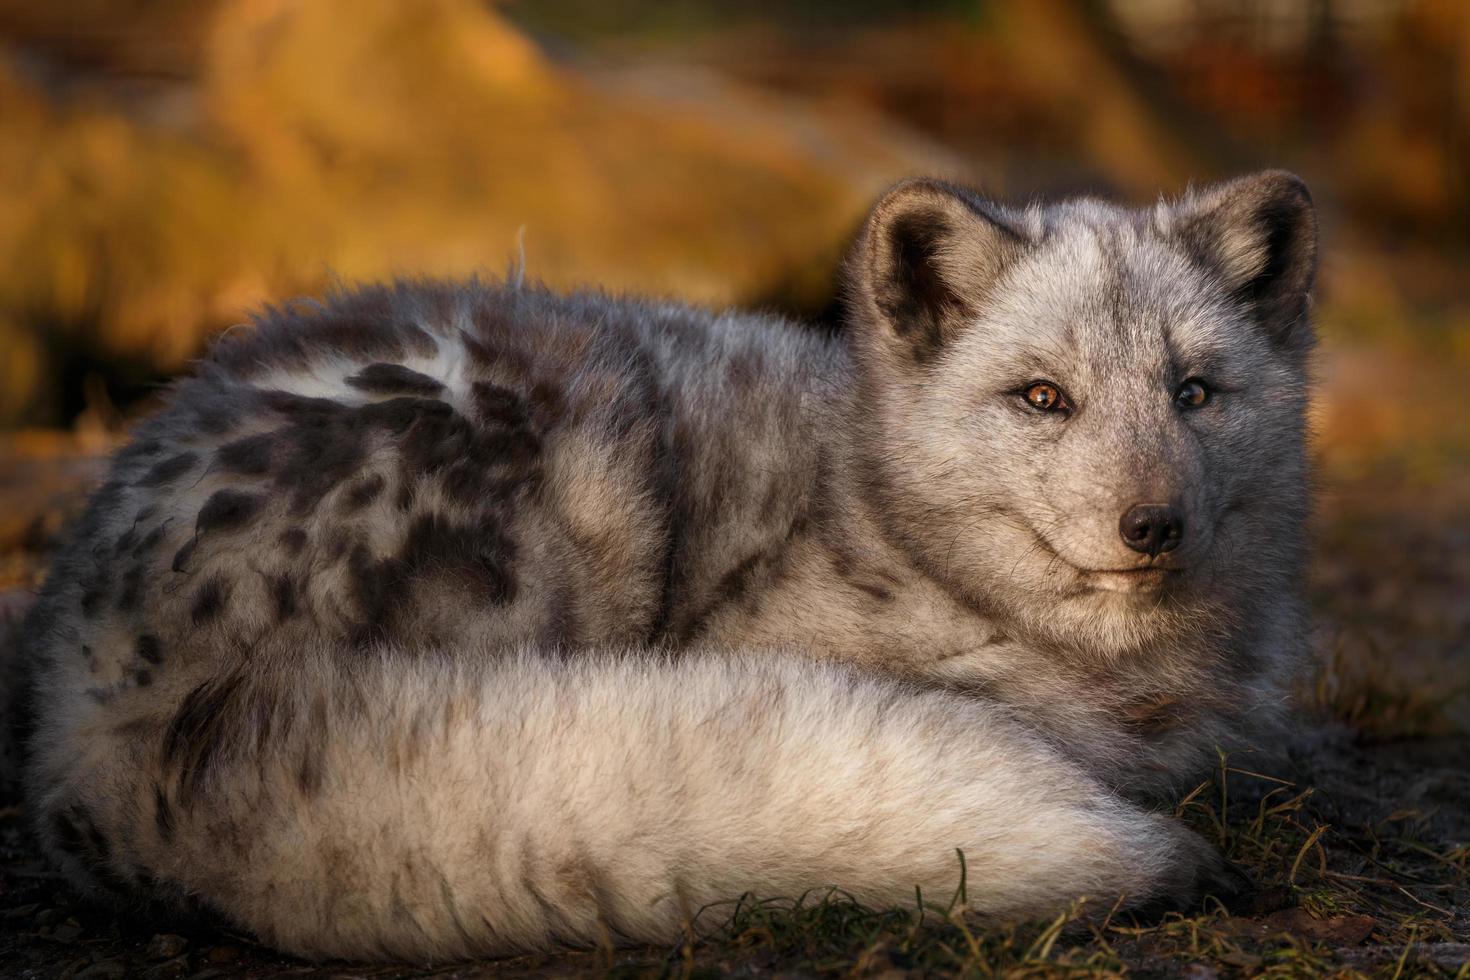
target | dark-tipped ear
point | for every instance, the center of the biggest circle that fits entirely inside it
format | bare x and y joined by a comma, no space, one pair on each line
1258,235
928,255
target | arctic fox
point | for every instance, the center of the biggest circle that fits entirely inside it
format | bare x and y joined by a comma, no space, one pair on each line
440,620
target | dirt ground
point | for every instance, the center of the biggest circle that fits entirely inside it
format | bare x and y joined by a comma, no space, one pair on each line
1357,832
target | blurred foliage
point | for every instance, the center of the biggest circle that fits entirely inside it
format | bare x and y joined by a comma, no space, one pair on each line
167,165
144,204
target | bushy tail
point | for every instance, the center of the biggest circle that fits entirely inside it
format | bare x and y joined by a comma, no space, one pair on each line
397,807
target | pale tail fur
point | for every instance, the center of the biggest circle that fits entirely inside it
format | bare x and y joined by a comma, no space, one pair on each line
512,803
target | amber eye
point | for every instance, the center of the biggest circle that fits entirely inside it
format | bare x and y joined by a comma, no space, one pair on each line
1046,397
1192,394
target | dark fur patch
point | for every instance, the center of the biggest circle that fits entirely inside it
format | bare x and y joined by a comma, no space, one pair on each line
394,379
210,600
309,771
480,353
181,557
336,542
228,510
736,582
481,555
467,482
519,449
876,592
422,422
150,541
250,456
560,626
371,584
478,466
495,470
324,447
478,559
142,677
1154,716
293,539
163,815
131,594
283,593
94,594
435,441
398,414
201,732
320,457
301,407
499,406
149,648
217,413
363,492
548,403
168,470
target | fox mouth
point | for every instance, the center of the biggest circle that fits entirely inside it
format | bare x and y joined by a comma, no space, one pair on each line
1130,580
1140,579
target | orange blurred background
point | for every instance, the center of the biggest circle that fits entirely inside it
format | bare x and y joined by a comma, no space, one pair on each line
166,166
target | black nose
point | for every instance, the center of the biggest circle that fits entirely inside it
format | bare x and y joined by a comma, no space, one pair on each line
1151,528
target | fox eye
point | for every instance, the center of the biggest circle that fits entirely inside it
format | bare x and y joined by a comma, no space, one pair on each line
1192,394
1046,397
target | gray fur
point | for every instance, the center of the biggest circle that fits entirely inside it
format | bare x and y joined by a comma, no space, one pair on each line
438,620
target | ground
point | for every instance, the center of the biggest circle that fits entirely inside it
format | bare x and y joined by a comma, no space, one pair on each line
1356,833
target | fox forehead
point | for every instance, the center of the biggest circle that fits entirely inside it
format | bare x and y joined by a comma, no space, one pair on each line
1103,297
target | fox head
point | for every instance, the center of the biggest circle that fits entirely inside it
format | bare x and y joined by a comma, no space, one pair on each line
1086,419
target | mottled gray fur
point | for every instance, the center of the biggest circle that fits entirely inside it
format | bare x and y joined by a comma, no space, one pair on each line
439,620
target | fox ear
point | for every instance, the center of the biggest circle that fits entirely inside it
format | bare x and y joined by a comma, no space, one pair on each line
928,255
1258,235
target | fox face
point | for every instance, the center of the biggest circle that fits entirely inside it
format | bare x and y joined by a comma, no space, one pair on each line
1089,420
